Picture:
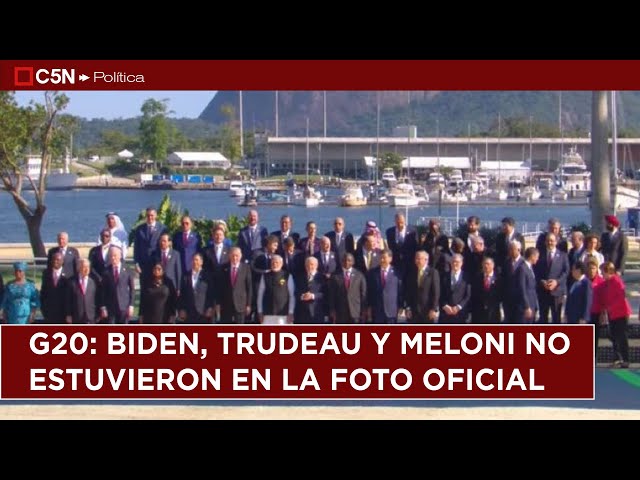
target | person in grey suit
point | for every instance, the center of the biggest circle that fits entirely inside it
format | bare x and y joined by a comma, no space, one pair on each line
551,275
527,298
83,296
578,308
455,294
311,295
170,260
70,255
118,290
510,273
384,291
235,289
347,294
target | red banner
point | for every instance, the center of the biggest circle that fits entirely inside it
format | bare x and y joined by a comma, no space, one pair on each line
319,75
297,362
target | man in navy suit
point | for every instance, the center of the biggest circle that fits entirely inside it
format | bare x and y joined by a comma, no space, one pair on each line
285,232
455,294
527,299
99,255
311,295
503,239
252,238
146,240
486,294
53,292
327,260
402,241
170,258
510,276
341,241
118,290
70,255
187,242
216,254
578,309
384,291
551,276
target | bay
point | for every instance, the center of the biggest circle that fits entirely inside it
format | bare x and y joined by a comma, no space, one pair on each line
81,213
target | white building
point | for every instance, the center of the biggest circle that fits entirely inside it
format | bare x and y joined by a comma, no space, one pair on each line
506,169
199,159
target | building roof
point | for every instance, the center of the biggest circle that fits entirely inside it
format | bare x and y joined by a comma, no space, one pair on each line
200,156
429,162
504,165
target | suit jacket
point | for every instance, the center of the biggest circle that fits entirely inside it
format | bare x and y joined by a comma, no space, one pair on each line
579,301
501,248
485,304
404,252
385,301
348,304
98,262
118,297
69,262
347,244
211,263
196,301
311,311
235,299
558,270
541,244
510,280
294,264
146,244
330,267
278,233
187,250
305,248
173,268
424,297
83,308
360,261
249,245
52,297
457,294
614,249
527,295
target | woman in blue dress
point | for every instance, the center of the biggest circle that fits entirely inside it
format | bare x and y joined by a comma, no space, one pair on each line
21,299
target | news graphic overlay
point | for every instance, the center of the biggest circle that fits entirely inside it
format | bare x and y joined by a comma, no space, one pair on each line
297,362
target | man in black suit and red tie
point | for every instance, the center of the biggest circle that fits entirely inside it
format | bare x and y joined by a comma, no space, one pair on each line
402,241
99,255
252,238
187,242
551,275
285,232
70,255
83,296
235,289
384,291
341,240
118,290
196,301
311,295
455,294
486,295
347,294
327,260
422,291
171,262
53,292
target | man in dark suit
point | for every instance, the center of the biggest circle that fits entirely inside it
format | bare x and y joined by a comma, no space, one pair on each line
311,294
347,294
578,309
435,243
261,265
503,239
473,259
293,259
527,299
53,292
455,294
472,231
486,294
187,242
118,290
422,291
341,241
171,262
510,275
384,291
83,296
327,260
284,233
146,240
575,253
216,254
70,255
251,238
99,255
196,301
235,289
310,245
367,256
551,275
555,228
614,244
402,241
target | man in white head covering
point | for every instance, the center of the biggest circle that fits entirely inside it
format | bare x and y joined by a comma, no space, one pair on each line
119,235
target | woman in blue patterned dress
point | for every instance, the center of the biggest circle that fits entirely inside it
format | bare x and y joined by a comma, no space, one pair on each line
21,299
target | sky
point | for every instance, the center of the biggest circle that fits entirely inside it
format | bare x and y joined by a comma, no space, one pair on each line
125,104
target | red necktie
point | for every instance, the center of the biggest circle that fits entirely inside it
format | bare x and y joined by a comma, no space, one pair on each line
164,259
347,280
185,237
487,283
83,285
234,275
115,275
55,279
384,278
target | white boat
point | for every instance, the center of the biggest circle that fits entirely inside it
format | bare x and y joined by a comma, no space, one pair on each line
531,193
353,197
388,177
57,179
403,195
572,174
624,198
306,197
455,197
499,194
236,188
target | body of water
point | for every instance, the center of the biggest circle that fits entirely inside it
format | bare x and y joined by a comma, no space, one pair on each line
81,213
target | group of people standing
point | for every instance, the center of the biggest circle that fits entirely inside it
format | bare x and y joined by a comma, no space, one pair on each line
382,276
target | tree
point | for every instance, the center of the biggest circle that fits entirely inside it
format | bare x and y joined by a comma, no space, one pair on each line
154,130
391,160
22,129
229,134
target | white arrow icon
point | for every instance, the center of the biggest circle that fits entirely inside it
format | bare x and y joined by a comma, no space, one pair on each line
84,77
